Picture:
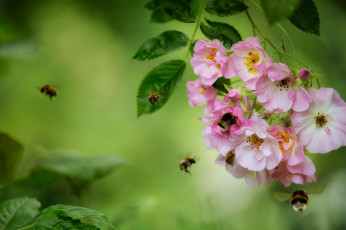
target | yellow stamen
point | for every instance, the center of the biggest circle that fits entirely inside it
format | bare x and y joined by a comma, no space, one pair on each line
250,62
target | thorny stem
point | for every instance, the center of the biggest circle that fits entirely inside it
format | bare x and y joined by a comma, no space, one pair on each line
198,21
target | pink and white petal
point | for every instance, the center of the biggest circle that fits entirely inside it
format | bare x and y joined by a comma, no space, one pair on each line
297,156
236,170
220,160
302,99
245,157
320,142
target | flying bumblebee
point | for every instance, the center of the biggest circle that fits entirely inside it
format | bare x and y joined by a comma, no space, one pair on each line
186,163
227,120
230,157
299,198
152,98
49,90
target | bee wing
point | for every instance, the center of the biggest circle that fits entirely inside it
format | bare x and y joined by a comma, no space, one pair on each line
164,95
318,190
281,196
142,97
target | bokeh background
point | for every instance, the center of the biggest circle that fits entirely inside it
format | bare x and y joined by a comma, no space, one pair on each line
84,48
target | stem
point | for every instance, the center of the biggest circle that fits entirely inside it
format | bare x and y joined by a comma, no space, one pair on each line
265,35
289,41
252,23
197,25
27,227
296,59
318,83
253,107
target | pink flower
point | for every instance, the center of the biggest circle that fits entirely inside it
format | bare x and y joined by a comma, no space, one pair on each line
255,148
200,94
249,60
213,138
291,148
225,119
298,174
210,61
275,90
304,74
322,127
252,178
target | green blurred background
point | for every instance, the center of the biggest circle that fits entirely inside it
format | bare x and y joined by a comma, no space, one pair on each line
84,49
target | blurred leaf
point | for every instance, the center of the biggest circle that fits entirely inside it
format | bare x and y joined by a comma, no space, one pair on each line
278,9
84,169
177,9
160,16
69,217
3,66
164,43
8,32
220,83
227,34
306,17
162,79
38,178
11,153
17,212
224,8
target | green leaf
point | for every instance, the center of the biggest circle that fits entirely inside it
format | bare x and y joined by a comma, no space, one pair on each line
38,178
11,153
278,9
162,79
220,83
160,16
69,217
164,43
177,9
17,212
227,34
224,8
306,17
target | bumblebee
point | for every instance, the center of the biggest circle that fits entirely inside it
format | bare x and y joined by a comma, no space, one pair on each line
226,121
186,163
152,98
299,198
49,90
230,157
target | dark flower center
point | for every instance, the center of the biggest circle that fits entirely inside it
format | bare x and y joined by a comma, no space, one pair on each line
320,120
254,140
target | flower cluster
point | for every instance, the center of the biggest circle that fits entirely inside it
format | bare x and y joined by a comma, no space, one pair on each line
239,126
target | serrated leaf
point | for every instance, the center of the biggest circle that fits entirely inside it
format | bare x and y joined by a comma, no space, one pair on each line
225,33
69,217
162,79
17,212
306,17
224,8
11,152
164,43
278,9
160,16
220,83
177,9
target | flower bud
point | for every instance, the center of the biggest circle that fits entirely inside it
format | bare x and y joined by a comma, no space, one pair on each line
234,95
304,74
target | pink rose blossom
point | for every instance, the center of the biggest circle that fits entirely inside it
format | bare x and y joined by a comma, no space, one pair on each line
210,61
213,138
298,174
291,148
200,94
276,93
304,74
225,119
252,178
255,148
249,60
322,127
